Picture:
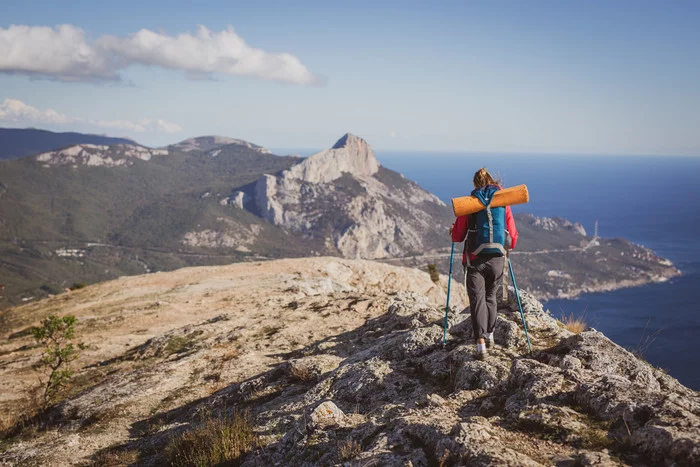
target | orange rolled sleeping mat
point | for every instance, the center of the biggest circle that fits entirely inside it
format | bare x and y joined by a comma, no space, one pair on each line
506,197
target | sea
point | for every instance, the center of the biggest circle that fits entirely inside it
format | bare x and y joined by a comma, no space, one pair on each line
650,200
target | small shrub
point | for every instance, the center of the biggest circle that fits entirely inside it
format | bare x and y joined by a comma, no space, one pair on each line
78,285
434,273
215,441
350,449
302,373
55,334
574,324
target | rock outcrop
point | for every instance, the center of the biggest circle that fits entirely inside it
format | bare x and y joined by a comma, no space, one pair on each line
339,362
346,200
350,154
98,155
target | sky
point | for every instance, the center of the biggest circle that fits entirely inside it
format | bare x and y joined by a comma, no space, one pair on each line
594,77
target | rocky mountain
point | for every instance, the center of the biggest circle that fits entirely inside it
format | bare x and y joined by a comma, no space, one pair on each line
342,198
89,213
329,361
16,143
213,143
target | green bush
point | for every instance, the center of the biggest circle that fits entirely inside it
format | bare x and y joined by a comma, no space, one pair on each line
55,334
78,285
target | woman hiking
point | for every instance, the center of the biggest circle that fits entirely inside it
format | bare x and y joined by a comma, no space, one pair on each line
489,233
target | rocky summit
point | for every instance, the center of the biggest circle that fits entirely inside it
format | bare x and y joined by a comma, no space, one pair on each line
329,361
346,200
214,143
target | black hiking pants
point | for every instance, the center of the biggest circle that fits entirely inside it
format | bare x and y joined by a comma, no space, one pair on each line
483,276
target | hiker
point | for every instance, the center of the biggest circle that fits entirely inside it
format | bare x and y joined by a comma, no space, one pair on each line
489,233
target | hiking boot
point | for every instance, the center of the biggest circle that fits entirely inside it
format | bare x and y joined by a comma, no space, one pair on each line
490,343
480,352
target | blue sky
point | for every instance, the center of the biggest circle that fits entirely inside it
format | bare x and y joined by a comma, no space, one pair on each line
540,76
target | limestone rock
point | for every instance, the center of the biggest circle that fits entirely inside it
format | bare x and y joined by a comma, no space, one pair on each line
118,155
327,414
349,154
342,197
365,338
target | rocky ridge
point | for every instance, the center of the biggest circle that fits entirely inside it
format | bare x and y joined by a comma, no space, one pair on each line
345,199
117,155
212,143
341,361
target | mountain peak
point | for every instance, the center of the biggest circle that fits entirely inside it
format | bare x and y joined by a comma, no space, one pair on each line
348,139
350,154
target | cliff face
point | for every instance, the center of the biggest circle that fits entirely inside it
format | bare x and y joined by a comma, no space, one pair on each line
338,361
352,206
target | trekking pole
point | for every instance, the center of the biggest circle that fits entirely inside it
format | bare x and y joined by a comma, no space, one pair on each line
517,295
447,305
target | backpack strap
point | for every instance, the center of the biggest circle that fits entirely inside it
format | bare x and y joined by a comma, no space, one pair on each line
505,275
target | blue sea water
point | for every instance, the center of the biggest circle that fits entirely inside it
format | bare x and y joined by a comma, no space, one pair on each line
654,201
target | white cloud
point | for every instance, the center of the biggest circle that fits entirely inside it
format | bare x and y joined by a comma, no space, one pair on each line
64,53
13,110
17,112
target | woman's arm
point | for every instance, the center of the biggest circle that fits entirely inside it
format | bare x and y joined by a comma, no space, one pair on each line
459,229
510,225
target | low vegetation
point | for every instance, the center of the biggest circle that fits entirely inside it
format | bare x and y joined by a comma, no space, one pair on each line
55,335
434,273
302,373
574,324
349,450
215,441
645,341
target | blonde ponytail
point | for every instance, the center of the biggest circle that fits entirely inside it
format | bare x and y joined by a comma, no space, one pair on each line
482,177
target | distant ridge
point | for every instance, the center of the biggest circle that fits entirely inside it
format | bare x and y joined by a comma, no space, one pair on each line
213,143
18,142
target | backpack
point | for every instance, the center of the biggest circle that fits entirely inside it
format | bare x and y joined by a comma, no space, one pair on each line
487,233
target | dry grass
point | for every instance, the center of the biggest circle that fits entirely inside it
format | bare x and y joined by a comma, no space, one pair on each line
29,420
574,324
215,441
645,341
302,373
349,450
116,457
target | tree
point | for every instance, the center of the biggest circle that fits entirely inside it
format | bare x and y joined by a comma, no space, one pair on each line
55,334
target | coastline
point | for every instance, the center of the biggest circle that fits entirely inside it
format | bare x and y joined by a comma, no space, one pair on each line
609,286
